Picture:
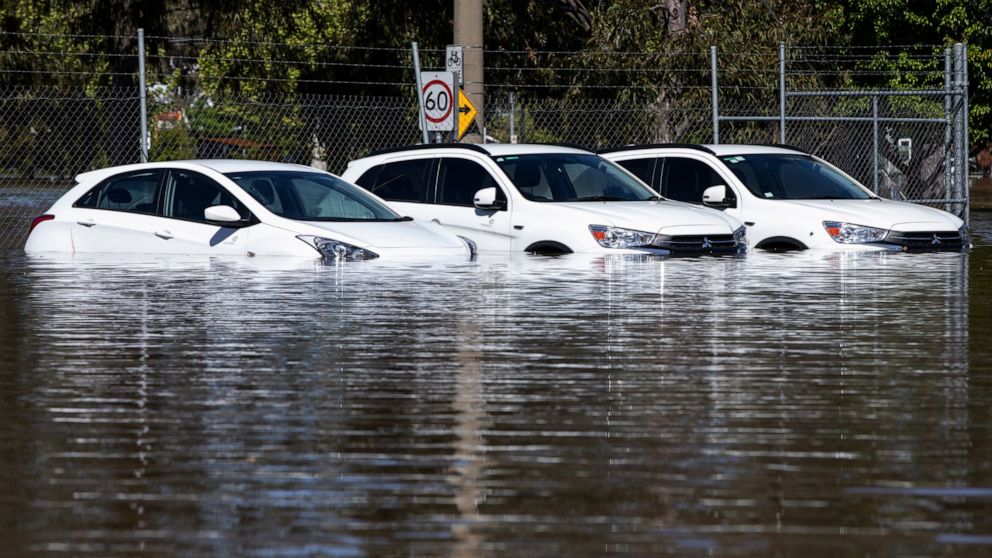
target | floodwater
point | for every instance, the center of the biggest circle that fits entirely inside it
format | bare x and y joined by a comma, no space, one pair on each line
774,405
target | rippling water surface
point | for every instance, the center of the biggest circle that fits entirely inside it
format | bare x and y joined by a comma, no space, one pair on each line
790,404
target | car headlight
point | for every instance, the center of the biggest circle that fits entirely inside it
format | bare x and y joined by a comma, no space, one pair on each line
615,237
337,250
846,233
740,235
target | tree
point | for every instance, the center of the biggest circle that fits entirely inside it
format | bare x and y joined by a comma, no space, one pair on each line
671,71
882,23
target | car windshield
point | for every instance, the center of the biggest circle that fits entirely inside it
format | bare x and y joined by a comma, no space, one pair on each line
792,177
312,196
572,177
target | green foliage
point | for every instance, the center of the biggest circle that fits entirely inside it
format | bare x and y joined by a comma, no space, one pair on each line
66,61
262,50
672,75
944,22
172,144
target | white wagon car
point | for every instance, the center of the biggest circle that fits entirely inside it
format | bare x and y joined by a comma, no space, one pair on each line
790,200
225,207
541,198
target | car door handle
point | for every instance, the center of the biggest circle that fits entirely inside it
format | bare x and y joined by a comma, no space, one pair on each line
86,222
164,234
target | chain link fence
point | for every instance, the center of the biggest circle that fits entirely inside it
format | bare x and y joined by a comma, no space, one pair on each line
596,123
908,144
50,133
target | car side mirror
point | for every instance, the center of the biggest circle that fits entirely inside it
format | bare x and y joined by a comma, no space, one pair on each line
486,199
716,196
222,215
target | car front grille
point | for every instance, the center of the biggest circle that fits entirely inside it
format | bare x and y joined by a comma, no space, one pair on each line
930,241
698,244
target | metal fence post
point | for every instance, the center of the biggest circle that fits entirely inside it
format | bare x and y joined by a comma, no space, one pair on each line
513,119
523,122
965,140
142,96
961,172
716,106
781,85
874,144
948,128
420,92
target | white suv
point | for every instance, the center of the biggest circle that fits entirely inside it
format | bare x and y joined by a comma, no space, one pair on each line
541,198
789,200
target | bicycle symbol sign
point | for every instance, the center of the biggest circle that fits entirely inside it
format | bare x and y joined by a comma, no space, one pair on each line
453,61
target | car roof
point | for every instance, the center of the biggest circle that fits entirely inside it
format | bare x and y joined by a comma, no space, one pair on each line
491,149
219,165
501,149
720,150
239,165
723,149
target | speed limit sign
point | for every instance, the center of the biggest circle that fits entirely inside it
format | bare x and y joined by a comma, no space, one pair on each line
439,101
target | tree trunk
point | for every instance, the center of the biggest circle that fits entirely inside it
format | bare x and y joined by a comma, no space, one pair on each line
676,11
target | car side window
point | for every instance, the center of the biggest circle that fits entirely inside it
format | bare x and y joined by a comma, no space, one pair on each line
400,180
188,193
460,179
368,178
641,168
685,179
134,192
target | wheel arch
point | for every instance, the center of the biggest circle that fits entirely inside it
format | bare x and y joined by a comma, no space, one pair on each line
548,247
780,244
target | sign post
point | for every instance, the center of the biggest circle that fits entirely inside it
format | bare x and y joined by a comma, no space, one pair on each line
420,91
438,101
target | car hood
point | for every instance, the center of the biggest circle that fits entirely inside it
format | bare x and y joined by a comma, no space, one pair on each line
655,216
881,213
389,234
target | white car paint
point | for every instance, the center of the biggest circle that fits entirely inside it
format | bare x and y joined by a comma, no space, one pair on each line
90,230
524,222
800,219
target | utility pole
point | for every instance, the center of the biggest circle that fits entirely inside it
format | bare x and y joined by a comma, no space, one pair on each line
468,32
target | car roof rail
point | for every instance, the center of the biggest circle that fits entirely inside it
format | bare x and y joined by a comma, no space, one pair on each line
632,147
426,146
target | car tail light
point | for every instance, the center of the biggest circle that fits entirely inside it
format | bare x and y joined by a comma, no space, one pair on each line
40,219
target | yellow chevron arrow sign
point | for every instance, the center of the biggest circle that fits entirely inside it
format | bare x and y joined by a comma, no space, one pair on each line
466,113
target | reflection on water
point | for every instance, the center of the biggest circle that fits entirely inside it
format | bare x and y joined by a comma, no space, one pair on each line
770,405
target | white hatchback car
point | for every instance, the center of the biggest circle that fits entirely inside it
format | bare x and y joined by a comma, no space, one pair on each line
226,207
541,198
790,200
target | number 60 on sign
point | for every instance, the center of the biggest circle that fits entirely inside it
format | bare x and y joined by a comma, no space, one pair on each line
439,101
